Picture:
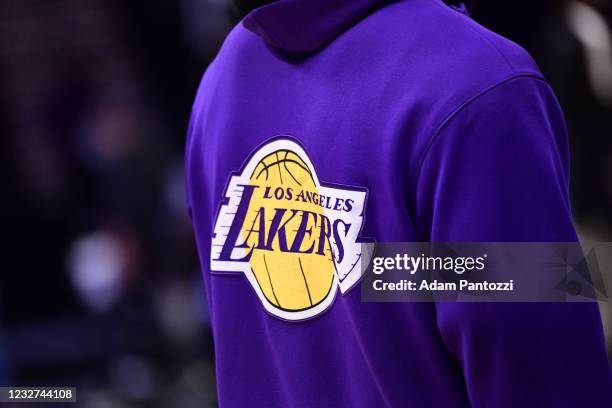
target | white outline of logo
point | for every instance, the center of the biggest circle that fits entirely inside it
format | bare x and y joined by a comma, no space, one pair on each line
346,274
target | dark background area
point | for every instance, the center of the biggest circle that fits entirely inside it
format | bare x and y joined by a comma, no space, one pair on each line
100,285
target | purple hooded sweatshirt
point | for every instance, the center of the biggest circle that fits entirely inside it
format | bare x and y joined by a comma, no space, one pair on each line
325,123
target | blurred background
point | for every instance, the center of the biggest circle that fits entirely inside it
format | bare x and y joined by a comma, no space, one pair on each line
100,285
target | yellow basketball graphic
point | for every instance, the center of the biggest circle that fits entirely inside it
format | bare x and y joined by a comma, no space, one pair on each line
290,280
295,238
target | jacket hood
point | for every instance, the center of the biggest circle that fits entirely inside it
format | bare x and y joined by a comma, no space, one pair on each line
306,25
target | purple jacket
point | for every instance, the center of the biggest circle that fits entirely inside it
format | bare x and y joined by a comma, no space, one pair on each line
325,123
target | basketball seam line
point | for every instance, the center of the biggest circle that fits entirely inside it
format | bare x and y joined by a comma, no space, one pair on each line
305,283
270,280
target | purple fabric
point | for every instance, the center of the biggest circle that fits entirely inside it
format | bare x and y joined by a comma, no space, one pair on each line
303,25
456,137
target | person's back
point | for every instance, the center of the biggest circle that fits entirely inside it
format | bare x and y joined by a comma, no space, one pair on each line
325,123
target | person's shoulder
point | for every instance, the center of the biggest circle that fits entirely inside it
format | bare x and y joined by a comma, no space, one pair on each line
441,57
443,39
482,46
240,43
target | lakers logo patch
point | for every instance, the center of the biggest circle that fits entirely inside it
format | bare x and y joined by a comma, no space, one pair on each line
295,238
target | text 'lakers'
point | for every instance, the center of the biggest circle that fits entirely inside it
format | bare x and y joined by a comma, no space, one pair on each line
294,237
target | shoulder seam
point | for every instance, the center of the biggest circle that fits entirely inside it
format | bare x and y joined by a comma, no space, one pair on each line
470,25
496,48
463,106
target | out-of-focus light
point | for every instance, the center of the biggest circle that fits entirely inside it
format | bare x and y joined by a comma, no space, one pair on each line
205,24
593,32
199,378
96,263
98,399
174,190
177,313
133,377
